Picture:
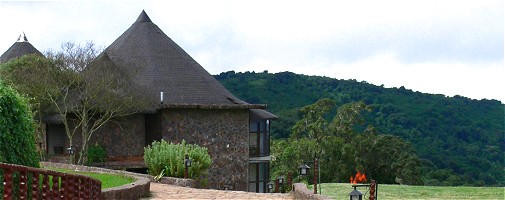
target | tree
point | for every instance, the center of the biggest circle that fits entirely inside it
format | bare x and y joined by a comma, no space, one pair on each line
17,144
35,77
387,158
348,116
345,146
287,154
85,91
313,124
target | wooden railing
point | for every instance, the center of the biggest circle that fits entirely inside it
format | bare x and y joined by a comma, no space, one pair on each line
20,182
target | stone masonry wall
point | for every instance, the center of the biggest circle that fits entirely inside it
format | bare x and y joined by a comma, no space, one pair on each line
223,132
123,137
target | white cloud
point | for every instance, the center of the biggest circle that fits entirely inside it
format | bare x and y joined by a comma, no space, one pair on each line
391,42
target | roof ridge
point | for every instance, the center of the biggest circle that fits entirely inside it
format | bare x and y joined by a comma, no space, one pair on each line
18,49
143,17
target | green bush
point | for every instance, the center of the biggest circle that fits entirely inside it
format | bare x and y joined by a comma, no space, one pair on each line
96,154
17,129
169,157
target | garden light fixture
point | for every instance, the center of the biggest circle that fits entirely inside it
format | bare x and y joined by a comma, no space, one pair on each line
187,164
187,161
270,186
70,150
280,179
356,195
303,169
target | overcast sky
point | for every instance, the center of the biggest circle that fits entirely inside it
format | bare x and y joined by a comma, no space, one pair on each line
442,47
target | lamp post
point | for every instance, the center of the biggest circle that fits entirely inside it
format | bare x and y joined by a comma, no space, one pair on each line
187,164
280,181
71,151
290,181
276,181
317,175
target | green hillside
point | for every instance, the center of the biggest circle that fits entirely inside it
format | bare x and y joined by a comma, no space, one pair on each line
460,140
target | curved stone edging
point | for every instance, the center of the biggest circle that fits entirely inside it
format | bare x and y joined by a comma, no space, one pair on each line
139,188
176,181
300,191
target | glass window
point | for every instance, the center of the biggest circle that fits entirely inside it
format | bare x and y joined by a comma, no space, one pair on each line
252,172
261,172
259,140
263,144
261,187
253,139
262,126
253,126
252,187
253,144
258,176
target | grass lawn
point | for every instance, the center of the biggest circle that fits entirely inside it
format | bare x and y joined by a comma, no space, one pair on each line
342,190
108,180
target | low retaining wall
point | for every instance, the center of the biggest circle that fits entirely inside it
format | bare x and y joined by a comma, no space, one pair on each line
300,191
177,181
135,190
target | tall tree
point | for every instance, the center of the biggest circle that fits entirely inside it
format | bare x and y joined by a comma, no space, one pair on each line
348,116
344,146
313,124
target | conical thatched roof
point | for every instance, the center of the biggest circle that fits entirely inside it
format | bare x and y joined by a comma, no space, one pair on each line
157,64
19,49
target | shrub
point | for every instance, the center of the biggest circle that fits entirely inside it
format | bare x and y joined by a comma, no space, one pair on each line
169,157
17,129
96,154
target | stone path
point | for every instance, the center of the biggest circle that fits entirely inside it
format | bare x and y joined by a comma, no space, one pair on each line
163,191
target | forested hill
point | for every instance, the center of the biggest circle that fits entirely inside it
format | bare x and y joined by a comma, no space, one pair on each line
460,140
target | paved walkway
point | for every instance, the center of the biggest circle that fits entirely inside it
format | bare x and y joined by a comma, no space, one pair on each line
163,191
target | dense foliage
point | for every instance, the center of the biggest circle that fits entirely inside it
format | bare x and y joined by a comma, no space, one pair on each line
17,144
96,154
343,149
459,140
168,159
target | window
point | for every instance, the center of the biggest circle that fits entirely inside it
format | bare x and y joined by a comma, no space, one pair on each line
56,138
259,138
258,177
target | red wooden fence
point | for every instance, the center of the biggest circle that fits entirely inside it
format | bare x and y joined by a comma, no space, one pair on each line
20,182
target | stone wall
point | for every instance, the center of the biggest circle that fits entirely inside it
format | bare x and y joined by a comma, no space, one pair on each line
223,132
125,136
120,137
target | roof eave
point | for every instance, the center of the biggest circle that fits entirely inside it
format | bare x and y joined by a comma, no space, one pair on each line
214,106
261,114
